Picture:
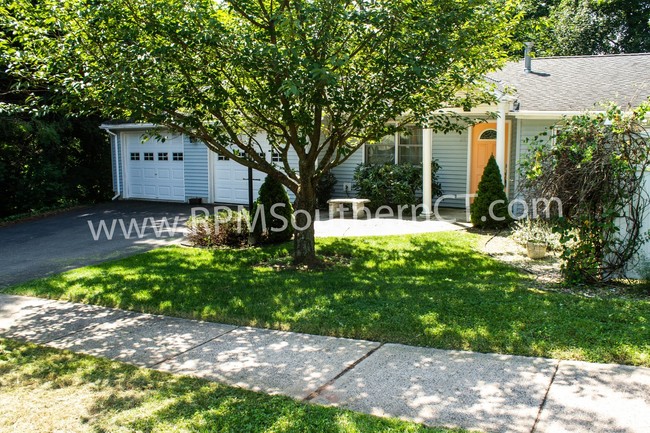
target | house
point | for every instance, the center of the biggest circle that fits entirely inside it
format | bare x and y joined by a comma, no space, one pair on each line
543,90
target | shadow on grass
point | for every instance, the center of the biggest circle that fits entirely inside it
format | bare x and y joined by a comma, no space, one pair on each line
430,290
134,399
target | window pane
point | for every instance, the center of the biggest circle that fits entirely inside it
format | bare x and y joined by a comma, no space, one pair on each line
488,134
410,146
381,152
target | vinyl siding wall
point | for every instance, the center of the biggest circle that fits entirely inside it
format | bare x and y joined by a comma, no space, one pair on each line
195,165
526,130
344,174
451,152
118,175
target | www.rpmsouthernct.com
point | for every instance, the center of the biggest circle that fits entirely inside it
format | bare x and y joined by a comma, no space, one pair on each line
163,227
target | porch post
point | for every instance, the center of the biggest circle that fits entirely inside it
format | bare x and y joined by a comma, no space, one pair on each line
501,140
427,155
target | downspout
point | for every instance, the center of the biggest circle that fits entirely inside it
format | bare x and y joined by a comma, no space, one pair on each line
117,165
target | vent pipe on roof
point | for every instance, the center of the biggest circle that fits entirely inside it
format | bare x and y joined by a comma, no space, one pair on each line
527,59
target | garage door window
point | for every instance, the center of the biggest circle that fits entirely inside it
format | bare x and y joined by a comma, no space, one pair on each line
135,156
148,156
177,156
163,156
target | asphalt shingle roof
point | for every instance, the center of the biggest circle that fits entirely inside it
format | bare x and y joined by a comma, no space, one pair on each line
578,83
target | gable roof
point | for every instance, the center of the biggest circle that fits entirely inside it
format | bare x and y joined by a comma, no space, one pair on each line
578,83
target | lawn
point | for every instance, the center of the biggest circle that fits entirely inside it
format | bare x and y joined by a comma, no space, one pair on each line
431,290
51,390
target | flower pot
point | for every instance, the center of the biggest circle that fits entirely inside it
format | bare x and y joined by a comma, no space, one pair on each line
536,249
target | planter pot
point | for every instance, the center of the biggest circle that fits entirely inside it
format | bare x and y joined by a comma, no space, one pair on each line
536,250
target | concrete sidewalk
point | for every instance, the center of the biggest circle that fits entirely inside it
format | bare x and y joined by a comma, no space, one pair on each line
489,392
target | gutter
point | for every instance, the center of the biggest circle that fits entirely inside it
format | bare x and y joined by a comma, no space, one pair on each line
550,114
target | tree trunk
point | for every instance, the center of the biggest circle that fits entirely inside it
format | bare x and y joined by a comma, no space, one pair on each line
304,249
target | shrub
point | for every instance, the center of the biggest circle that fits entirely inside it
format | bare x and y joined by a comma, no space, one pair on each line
490,190
325,188
393,185
278,227
226,229
595,166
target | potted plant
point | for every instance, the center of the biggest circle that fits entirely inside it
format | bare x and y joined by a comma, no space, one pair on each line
536,248
537,242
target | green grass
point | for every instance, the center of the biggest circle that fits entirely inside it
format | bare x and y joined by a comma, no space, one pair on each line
431,290
51,390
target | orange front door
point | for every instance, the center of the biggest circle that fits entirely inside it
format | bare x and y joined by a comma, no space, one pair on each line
484,144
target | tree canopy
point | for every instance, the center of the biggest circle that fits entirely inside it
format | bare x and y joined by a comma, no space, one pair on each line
319,77
585,27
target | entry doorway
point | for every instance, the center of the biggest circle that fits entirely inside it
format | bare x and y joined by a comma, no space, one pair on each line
484,145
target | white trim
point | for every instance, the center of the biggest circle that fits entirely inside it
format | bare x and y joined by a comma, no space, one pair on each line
212,191
427,156
517,156
470,131
396,147
142,126
500,151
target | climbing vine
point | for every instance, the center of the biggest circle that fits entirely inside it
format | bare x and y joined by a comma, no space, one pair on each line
596,165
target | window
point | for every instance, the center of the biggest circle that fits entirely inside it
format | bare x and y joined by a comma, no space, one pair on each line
276,157
488,134
135,156
409,150
222,158
163,156
382,151
408,144
148,156
177,156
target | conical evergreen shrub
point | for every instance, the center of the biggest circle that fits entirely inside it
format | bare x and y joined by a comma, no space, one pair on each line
272,192
490,190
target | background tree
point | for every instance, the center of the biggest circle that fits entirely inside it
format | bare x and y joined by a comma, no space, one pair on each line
48,159
319,77
585,27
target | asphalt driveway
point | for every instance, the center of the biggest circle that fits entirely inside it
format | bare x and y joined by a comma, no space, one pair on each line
76,238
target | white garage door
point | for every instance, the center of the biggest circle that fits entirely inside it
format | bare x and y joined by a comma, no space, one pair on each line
231,181
155,168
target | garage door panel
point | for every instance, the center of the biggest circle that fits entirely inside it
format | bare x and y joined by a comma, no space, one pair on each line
155,168
164,173
149,173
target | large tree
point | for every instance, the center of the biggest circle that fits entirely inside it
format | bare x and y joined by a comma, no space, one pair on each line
585,27
318,77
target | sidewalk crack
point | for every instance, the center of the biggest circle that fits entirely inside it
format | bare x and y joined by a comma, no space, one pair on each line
350,367
541,406
176,355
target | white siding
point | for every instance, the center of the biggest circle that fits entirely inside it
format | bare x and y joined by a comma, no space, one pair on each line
528,129
196,169
451,152
344,174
